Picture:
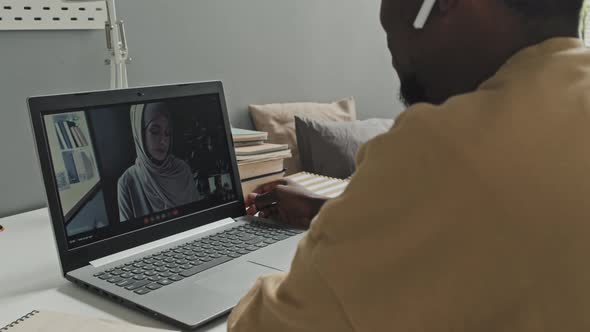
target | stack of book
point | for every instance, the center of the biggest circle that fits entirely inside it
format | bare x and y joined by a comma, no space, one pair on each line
320,185
258,162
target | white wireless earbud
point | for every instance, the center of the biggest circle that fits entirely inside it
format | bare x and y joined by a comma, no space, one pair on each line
424,13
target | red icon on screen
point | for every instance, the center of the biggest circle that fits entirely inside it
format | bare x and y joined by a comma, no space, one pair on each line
146,221
175,213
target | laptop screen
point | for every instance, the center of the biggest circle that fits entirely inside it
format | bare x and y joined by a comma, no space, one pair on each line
125,167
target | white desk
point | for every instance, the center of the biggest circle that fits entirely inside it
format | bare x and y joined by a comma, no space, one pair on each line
30,278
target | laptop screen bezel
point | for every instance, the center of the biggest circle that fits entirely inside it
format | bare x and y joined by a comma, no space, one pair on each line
72,259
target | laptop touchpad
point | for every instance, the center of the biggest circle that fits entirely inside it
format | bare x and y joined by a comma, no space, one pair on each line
235,280
278,256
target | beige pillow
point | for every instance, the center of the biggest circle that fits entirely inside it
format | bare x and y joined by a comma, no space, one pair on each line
279,121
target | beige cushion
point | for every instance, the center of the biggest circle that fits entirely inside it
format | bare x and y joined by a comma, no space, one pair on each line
279,121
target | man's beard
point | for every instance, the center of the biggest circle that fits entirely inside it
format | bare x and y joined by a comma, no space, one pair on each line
412,91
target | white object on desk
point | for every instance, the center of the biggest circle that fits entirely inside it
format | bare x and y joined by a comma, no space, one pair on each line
31,278
48,321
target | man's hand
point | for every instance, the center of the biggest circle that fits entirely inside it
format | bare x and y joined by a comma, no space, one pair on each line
285,201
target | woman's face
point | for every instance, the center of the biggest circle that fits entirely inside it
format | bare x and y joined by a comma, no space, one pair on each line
157,137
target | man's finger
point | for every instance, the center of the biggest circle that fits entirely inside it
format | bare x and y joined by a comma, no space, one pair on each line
266,200
266,213
251,210
268,187
250,198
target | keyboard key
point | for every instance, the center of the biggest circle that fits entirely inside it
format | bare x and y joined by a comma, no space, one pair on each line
280,237
125,283
149,267
115,280
165,282
254,240
139,277
155,278
243,251
234,255
247,237
252,248
154,286
127,275
165,274
105,276
175,270
162,269
138,271
261,244
137,285
117,272
205,266
181,261
98,274
142,291
187,266
175,278
151,273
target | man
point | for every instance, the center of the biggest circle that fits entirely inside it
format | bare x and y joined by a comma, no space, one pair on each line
472,213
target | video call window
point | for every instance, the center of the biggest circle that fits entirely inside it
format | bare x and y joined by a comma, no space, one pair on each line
124,167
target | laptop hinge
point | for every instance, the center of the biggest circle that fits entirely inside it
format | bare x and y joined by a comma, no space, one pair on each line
159,243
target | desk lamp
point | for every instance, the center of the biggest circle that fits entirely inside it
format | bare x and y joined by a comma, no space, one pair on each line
116,45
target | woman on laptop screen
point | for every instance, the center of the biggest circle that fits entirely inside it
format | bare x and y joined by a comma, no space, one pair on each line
158,180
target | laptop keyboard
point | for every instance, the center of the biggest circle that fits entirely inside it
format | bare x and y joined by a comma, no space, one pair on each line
164,268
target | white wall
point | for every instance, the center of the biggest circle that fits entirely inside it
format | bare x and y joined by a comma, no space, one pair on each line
263,51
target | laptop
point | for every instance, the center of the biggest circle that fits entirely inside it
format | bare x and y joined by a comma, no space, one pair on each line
145,200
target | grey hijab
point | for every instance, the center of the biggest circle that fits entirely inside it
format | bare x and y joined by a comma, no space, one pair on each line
166,184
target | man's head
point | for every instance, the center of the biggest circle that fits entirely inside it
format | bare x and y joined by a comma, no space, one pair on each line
464,42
